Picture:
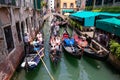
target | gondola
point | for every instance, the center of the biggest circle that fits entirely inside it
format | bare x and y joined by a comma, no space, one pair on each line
70,46
55,49
89,50
99,54
33,59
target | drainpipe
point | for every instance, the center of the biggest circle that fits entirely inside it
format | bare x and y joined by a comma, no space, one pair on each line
113,2
102,3
94,1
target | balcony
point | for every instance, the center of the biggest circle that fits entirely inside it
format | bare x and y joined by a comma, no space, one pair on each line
28,5
8,2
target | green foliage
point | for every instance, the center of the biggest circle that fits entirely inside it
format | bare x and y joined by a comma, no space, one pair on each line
43,4
115,48
115,9
118,52
88,8
75,24
81,27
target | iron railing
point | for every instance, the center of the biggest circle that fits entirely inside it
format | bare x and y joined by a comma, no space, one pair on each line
8,2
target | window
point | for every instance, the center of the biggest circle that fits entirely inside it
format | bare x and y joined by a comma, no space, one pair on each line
117,0
22,29
108,2
18,31
98,2
58,5
89,2
27,23
64,5
9,38
71,5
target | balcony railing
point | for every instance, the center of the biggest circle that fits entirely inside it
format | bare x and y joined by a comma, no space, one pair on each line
8,2
28,4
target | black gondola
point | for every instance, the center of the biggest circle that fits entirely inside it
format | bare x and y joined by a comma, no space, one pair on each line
33,59
70,46
55,50
100,53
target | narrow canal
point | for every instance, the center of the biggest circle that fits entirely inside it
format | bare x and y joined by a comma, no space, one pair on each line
69,68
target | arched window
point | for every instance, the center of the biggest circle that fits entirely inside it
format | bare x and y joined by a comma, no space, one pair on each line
71,5
64,5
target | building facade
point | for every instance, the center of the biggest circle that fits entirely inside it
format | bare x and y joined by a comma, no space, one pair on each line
51,4
65,4
99,3
16,18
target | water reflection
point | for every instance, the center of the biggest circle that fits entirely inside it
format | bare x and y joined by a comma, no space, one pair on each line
30,76
70,59
92,62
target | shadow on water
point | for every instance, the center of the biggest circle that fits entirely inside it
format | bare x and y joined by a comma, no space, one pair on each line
30,75
72,60
111,68
54,68
91,62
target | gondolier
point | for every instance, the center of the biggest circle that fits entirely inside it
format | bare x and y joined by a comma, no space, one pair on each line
27,43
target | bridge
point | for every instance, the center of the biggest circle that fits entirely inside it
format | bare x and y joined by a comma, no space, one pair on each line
56,14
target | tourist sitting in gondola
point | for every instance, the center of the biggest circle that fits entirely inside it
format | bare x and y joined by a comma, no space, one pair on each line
40,38
55,49
65,34
83,43
36,44
58,40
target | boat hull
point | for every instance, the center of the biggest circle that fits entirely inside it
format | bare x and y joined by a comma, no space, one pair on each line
92,54
77,53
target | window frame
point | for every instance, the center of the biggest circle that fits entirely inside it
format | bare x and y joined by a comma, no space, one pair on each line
18,31
11,41
64,5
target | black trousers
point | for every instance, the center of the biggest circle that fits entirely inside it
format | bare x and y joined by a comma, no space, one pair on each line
27,47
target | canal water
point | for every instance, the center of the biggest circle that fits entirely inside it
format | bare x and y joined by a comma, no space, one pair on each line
69,68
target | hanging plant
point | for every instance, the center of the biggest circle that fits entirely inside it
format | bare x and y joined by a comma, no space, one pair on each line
115,48
73,24
117,52
78,25
81,27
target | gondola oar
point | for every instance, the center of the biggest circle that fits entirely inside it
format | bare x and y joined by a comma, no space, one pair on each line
44,64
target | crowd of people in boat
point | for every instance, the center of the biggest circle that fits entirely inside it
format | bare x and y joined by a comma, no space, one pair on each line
55,41
34,44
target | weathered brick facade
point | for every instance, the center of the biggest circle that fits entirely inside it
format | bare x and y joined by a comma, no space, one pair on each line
23,14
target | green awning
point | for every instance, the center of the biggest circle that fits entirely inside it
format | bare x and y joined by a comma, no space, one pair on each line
88,16
84,14
104,15
67,10
111,25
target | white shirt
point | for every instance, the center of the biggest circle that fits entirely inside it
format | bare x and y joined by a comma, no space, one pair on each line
57,40
26,39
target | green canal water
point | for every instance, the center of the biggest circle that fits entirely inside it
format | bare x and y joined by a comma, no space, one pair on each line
69,68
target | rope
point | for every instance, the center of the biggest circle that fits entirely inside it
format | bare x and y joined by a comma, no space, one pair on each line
44,64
